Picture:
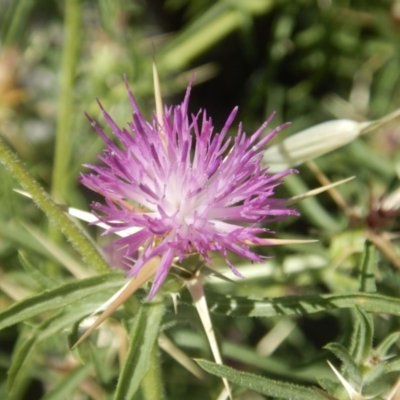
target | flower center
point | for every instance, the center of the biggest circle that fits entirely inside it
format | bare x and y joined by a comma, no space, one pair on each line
181,199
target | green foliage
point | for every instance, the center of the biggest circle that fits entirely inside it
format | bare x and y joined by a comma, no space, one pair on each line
261,385
369,373
335,300
143,339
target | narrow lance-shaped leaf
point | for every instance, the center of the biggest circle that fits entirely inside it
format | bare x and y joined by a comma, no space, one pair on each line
142,339
219,20
61,296
268,387
66,387
299,305
21,360
349,366
386,344
362,339
65,319
43,280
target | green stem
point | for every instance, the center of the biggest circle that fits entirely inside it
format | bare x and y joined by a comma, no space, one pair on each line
78,239
62,157
152,387
14,21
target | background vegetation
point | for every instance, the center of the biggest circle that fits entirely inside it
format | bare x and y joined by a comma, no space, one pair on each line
308,60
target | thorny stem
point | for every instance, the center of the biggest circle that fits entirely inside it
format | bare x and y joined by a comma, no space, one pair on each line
51,209
60,182
152,387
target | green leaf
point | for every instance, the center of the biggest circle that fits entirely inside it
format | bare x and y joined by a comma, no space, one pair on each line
246,355
329,385
104,374
22,239
272,364
363,336
352,372
367,268
142,339
298,305
393,365
366,157
208,29
61,296
262,385
57,253
70,315
15,22
374,374
61,181
66,318
20,361
386,344
43,280
68,385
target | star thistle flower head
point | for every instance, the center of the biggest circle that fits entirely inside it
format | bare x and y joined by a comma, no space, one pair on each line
173,187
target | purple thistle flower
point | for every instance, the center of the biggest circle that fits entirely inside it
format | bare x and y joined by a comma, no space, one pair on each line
173,188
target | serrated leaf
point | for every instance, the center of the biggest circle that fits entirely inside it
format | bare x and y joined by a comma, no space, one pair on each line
268,387
352,372
298,305
362,338
61,296
355,333
142,339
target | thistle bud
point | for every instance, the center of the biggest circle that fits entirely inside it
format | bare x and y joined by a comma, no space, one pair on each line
319,140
